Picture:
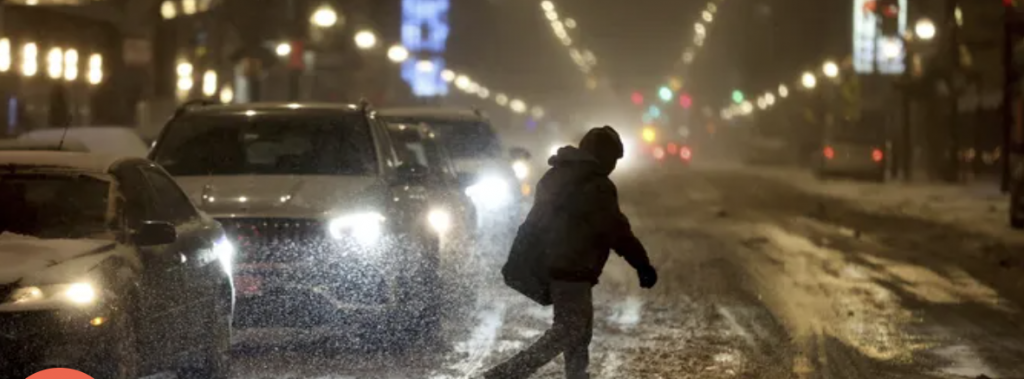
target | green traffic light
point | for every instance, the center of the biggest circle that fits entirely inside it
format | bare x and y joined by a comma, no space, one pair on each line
737,96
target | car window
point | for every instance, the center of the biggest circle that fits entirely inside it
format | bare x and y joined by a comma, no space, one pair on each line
57,205
314,144
463,139
170,203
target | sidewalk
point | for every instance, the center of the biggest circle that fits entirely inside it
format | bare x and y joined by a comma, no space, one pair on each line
978,207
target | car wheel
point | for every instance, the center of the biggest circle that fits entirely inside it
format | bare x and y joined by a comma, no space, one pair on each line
216,360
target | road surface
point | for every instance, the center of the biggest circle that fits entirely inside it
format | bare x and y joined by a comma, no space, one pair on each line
758,280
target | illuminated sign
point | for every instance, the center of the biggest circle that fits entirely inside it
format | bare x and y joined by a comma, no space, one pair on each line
872,51
425,33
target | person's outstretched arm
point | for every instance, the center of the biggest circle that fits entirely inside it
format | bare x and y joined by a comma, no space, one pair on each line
623,241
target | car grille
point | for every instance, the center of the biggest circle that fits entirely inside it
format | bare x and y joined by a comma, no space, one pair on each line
275,240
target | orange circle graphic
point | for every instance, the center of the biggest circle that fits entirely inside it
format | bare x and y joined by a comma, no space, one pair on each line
60,373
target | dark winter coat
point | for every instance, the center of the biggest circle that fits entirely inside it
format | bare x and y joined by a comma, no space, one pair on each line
574,223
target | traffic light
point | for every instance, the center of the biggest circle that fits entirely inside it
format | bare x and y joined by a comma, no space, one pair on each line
665,94
737,96
637,98
685,101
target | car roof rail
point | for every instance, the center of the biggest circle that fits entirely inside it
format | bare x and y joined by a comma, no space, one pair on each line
365,106
193,104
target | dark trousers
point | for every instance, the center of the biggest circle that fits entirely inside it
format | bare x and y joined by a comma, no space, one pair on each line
569,335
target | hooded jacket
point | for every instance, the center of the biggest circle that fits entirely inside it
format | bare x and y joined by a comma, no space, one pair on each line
577,206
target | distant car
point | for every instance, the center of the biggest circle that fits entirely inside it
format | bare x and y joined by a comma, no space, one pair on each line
419,149
112,140
106,267
1017,197
489,176
333,228
42,145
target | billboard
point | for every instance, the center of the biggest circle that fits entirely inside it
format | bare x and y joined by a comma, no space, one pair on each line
874,52
425,33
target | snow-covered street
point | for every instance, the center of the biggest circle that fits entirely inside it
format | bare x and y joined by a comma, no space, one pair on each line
761,277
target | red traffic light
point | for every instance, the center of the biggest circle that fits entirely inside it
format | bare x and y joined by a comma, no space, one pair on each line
685,101
637,98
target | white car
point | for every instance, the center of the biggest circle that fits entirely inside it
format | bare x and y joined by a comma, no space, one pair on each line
113,140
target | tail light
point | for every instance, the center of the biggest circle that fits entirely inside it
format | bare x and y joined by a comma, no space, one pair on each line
685,153
659,153
672,149
829,153
877,155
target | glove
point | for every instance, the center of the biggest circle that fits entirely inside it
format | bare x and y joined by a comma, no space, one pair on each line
648,276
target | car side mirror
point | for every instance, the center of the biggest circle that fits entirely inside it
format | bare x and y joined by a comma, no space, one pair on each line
518,153
153,233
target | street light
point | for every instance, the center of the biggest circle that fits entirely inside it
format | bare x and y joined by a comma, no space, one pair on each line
168,10
830,69
501,99
29,59
227,95
95,74
55,63
324,17
283,49
398,53
517,106
925,29
71,65
448,75
462,82
5,55
783,91
809,80
547,5
665,94
366,39
209,83
769,98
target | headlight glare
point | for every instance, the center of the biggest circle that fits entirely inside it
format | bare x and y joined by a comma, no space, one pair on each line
366,228
490,192
26,294
440,220
521,169
80,293
225,252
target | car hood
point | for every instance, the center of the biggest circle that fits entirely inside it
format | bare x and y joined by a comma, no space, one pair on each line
279,196
33,261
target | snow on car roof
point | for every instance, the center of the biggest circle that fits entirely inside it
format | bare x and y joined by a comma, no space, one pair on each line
434,113
87,162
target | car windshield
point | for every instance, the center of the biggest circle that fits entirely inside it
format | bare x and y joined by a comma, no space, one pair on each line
464,139
54,205
267,145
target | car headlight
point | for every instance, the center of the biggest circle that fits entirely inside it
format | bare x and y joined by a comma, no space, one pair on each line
366,228
440,220
75,293
521,169
490,192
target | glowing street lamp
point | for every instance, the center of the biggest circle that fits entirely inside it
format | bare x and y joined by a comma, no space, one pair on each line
55,63
462,82
227,95
830,69
649,134
925,29
29,59
398,53
665,94
517,106
809,81
366,39
5,55
70,65
168,10
324,17
283,49
95,74
448,75
209,83
783,91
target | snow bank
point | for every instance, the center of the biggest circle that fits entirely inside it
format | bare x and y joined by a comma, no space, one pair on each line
978,207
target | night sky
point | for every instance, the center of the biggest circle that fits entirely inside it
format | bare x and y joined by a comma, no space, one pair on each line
753,45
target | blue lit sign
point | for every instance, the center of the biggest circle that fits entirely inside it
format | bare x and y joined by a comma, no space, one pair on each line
425,33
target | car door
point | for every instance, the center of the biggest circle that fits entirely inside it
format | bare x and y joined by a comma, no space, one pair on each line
203,276
161,300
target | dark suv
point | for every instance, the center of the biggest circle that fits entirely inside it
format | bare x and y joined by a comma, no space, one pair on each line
332,227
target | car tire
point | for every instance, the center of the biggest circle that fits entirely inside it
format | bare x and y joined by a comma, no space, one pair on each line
215,362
